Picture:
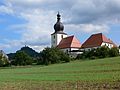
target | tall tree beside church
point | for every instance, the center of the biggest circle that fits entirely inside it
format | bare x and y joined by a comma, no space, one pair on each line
21,58
52,55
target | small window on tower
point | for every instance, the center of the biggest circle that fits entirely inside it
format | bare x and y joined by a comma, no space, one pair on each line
54,36
62,36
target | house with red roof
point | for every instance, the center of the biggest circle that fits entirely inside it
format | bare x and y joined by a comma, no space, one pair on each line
96,41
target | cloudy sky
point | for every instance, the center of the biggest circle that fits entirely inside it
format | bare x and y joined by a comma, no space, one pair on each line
30,22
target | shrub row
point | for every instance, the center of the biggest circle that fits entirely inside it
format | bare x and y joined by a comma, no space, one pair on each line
45,57
101,52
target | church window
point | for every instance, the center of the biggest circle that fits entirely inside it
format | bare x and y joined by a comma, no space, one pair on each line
62,36
54,36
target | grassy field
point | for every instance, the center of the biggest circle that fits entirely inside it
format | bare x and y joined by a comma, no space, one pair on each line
101,74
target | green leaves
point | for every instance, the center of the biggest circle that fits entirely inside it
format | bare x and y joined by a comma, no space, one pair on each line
21,58
101,52
53,55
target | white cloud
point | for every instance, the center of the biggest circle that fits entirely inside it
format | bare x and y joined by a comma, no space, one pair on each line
87,28
95,11
38,27
6,10
89,16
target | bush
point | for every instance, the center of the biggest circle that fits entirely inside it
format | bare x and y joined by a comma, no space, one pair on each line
64,57
21,58
83,55
114,52
51,56
101,52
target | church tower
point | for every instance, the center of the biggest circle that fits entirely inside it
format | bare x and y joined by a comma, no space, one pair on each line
58,35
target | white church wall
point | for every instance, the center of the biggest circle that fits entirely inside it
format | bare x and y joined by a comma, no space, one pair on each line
69,49
72,54
88,49
74,49
60,37
66,50
53,41
56,38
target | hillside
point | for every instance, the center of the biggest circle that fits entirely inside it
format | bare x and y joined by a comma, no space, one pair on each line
27,50
93,74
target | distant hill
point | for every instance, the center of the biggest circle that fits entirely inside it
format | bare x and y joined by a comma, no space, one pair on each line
32,53
11,56
29,51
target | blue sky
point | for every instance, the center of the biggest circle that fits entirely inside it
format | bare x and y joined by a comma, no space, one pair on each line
30,22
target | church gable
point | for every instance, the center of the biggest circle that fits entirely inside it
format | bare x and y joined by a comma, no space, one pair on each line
69,42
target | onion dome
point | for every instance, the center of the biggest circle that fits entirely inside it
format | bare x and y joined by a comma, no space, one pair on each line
58,26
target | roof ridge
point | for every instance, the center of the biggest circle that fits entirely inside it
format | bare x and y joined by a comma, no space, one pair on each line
68,37
72,40
97,33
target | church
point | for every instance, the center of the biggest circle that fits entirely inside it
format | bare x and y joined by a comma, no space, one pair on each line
71,45
61,40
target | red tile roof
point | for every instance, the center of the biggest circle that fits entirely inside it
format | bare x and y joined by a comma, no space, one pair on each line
96,40
69,42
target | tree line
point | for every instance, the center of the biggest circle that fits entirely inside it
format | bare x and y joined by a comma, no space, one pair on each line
101,52
28,56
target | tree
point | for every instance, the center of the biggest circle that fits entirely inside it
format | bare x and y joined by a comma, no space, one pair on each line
64,57
114,52
11,56
21,58
102,52
4,60
52,55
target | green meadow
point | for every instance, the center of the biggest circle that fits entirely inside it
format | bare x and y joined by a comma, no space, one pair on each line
99,74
